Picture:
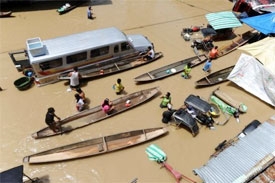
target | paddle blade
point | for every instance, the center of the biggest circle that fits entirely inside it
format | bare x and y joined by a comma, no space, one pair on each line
155,153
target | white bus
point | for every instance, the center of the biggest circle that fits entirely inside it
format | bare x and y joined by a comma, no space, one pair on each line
49,58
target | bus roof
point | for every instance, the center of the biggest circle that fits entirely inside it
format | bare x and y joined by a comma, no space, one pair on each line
78,42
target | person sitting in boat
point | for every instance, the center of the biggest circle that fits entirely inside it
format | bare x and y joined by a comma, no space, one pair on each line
118,87
186,71
107,106
150,54
79,102
50,115
81,93
166,101
188,108
214,52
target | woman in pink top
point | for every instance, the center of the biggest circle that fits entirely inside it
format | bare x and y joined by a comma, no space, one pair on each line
107,106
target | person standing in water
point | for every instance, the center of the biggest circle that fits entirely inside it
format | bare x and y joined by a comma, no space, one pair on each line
89,13
166,101
79,102
74,78
118,87
207,66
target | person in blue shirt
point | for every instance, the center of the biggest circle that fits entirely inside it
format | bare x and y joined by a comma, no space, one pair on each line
207,66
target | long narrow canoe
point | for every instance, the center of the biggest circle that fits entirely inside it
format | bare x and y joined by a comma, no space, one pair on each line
229,100
215,77
237,42
62,10
170,69
4,14
95,114
106,68
96,146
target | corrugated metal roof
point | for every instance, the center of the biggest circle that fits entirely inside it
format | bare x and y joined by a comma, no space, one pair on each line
235,161
223,20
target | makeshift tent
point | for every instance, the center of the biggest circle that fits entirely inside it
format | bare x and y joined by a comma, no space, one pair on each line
252,76
264,51
223,20
263,23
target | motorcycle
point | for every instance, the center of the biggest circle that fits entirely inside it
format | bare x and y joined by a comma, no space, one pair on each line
202,44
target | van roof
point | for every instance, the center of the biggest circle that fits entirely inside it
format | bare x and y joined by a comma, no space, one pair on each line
78,42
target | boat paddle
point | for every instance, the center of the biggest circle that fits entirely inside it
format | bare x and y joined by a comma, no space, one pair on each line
156,154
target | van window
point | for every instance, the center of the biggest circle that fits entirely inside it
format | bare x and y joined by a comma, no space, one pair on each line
100,51
125,46
77,57
116,49
51,64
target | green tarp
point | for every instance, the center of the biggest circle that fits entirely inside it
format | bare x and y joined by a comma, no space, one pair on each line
223,20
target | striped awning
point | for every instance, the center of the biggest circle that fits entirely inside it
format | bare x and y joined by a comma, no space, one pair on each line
223,20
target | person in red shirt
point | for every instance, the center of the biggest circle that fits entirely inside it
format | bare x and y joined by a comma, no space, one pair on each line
214,52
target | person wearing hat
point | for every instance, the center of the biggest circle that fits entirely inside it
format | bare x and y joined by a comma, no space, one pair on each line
50,115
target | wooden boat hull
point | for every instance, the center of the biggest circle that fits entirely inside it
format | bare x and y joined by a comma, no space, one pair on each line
106,68
96,146
214,78
96,114
237,42
170,69
62,11
229,100
5,14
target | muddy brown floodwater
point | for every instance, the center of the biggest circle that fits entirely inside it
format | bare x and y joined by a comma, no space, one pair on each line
23,112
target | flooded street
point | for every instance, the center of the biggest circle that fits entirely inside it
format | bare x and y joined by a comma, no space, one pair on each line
23,112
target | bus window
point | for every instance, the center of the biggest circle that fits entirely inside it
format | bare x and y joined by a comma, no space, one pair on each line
76,57
51,64
100,51
116,49
125,46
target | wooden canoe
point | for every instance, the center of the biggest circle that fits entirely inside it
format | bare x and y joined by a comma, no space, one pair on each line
229,100
95,114
106,68
170,69
4,14
215,77
237,42
96,146
63,10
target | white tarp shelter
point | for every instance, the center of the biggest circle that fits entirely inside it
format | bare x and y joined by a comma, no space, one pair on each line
252,76
264,51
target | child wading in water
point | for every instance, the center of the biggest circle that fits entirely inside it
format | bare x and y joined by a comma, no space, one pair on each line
166,101
118,87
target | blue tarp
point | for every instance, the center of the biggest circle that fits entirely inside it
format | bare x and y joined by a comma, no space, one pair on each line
263,23
223,20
